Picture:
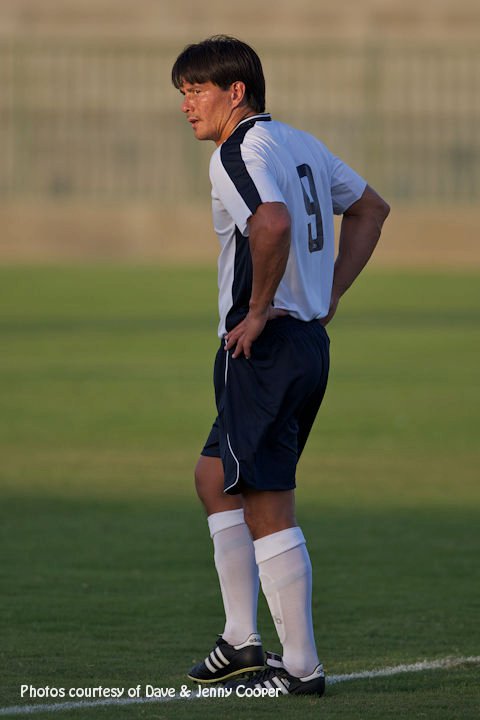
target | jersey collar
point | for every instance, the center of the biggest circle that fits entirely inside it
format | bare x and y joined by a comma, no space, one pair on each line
250,118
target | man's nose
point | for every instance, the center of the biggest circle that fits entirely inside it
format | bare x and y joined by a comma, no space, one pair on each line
186,105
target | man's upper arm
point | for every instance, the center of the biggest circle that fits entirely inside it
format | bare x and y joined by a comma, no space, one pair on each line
346,185
242,182
270,217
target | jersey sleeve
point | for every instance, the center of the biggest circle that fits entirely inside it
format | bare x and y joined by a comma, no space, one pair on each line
242,180
346,186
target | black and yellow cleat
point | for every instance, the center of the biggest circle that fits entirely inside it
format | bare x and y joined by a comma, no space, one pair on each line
226,661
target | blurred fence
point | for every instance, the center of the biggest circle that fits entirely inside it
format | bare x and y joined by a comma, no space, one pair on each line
100,121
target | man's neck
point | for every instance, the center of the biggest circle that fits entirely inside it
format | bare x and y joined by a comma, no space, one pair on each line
238,116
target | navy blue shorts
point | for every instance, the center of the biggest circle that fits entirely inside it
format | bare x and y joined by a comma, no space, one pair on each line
267,405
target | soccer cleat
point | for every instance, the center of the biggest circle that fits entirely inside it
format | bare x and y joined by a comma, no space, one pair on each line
275,677
226,661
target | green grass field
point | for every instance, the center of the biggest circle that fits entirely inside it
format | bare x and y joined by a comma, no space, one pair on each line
106,565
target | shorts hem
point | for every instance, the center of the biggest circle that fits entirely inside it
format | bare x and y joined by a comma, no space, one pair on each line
210,453
239,487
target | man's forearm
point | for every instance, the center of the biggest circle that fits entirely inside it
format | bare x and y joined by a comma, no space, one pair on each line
360,231
269,231
358,238
269,247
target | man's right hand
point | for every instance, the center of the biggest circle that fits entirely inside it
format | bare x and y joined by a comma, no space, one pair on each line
243,335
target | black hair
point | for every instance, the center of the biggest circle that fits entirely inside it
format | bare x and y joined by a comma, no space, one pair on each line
222,60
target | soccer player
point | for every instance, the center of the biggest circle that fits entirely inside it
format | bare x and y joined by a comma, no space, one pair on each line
275,190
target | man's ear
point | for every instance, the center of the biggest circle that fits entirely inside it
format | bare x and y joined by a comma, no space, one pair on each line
237,93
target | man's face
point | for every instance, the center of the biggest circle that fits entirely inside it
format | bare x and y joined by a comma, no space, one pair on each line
208,109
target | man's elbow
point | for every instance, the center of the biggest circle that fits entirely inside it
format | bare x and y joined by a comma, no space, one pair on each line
373,204
283,225
378,206
383,209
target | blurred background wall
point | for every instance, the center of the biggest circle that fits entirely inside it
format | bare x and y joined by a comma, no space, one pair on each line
97,162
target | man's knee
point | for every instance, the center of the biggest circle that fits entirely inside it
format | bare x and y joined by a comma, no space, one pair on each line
268,512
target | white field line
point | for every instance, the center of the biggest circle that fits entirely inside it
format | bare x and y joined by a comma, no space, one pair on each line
442,664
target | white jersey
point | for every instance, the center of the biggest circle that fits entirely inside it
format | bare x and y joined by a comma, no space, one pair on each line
267,161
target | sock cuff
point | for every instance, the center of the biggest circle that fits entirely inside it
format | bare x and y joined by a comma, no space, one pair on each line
277,543
224,520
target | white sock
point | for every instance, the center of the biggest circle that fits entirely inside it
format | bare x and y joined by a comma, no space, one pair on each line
237,572
286,577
